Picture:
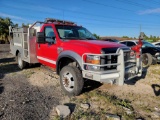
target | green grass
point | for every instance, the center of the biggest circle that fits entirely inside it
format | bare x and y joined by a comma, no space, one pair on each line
106,102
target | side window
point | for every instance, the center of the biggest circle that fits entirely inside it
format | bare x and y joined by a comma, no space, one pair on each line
123,43
130,44
157,44
49,33
82,33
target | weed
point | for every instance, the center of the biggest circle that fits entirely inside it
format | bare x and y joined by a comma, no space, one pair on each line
128,116
106,103
28,73
57,118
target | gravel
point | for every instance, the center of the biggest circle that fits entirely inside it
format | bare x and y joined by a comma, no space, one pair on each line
19,99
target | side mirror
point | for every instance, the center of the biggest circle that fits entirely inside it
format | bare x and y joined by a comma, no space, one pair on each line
50,38
41,37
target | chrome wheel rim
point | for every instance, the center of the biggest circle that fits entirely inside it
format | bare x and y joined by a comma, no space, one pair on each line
68,81
145,60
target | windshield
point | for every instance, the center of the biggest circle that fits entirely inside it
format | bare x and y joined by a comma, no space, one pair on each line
74,32
114,40
147,44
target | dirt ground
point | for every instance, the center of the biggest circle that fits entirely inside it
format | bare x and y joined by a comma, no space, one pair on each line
28,94
33,93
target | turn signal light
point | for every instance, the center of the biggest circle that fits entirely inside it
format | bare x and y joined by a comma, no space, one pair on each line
93,61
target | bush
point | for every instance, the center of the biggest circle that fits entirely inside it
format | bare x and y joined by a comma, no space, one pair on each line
2,41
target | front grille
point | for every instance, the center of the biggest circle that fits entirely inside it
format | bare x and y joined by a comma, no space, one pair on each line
109,59
114,58
127,58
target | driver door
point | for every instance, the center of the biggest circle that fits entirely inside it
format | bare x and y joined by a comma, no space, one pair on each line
47,53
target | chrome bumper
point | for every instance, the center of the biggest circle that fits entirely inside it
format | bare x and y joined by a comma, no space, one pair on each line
116,76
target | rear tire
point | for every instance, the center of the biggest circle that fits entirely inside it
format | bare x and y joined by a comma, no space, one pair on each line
147,59
71,80
21,63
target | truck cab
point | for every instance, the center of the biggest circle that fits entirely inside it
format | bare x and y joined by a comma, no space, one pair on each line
75,54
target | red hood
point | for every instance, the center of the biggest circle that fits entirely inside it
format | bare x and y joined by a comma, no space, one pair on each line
97,43
90,45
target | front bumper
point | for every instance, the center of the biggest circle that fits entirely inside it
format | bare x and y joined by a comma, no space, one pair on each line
120,74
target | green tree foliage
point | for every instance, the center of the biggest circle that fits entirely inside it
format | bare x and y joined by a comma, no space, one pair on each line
15,25
125,37
25,25
151,37
4,27
97,36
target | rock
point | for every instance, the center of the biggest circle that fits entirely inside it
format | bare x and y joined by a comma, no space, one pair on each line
71,106
53,112
128,111
112,116
63,111
25,102
95,105
85,105
1,113
156,114
156,108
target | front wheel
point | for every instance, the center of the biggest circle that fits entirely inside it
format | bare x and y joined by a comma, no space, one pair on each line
21,63
71,80
147,59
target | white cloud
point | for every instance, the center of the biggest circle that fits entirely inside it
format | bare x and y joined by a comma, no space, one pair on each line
16,19
149,11
11,16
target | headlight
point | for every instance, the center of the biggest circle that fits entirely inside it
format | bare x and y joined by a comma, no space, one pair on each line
132,54
93,60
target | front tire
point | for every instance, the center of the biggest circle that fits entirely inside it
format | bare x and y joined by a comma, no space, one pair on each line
21,63
147,59
71,80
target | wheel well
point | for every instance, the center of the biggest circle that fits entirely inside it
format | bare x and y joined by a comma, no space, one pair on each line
66,61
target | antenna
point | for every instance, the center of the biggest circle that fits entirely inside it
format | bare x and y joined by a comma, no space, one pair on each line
140,28
63,14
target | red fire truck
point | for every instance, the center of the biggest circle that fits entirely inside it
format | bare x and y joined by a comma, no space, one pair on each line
74,53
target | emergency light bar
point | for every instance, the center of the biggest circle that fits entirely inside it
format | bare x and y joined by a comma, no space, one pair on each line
58,20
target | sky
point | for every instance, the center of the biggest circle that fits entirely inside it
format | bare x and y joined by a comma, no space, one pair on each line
103,17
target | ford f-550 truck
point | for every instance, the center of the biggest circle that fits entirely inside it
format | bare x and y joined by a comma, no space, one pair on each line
74,53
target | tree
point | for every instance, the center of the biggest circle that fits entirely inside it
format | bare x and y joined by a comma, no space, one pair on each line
25,25
134,38
4,27
145,36
125,37
97,36
15,25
